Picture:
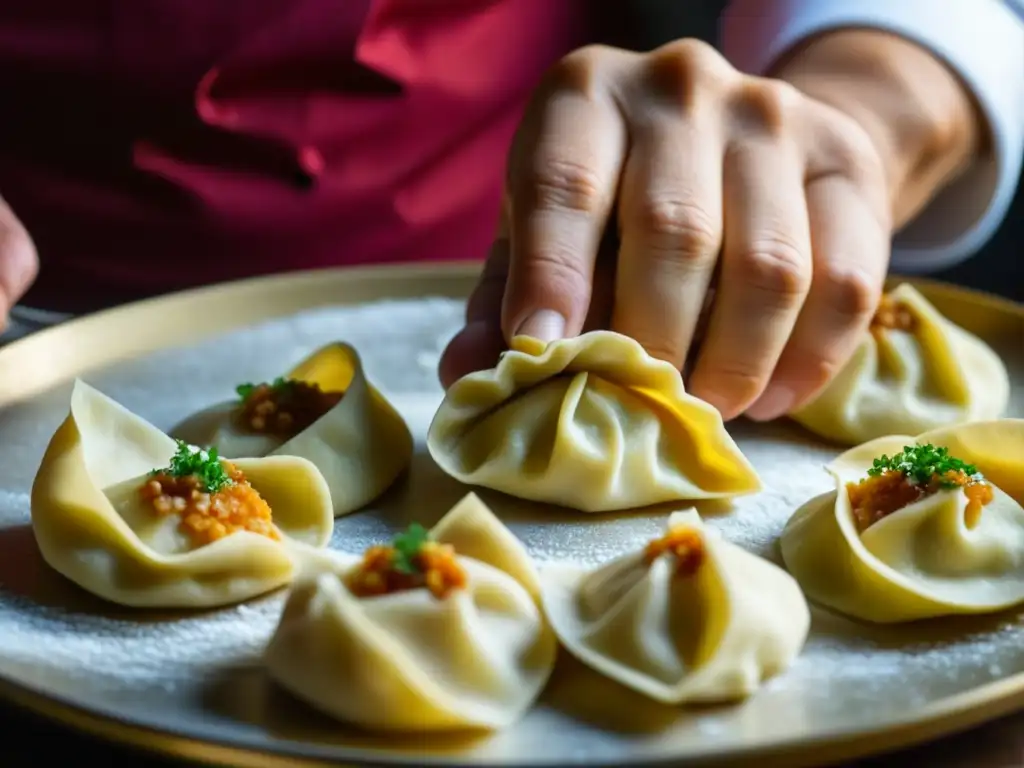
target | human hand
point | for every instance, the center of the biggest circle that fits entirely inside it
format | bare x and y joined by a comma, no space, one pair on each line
714,177
19,263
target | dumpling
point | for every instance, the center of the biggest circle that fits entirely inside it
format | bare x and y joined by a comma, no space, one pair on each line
690,618
439,631
592,423
913,372
917,527
324,410
130,515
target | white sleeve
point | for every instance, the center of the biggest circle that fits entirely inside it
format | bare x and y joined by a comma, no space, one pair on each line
981,40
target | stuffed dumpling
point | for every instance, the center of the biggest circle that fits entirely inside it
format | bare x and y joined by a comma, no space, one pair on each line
691,618
592,423
917,527
139,519
325,411
442,630
914,371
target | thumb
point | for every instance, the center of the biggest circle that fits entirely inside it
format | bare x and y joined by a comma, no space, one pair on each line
19,263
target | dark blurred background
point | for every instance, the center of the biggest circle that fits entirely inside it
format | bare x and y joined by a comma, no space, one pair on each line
645,24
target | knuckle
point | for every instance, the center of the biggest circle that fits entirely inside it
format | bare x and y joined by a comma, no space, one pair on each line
552,277
778,268
663,348
693,52
853,152
578,70
850,293
557,271
816,370
680,70
688,58
663,351
768,106
680,228
567,185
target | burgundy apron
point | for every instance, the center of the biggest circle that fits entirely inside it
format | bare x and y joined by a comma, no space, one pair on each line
150,145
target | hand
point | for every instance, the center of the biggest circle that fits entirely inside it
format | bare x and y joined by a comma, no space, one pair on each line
19,263
715,178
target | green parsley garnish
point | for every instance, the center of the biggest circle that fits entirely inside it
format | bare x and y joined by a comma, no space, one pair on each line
407,546
245,390
190,460
921,464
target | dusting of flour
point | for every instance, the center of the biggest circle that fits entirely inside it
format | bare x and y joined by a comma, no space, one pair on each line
158,669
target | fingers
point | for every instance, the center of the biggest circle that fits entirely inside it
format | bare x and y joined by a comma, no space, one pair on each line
850,255
847,206
18,261
484,304
563,176
474,348
670,214
478,345
766,273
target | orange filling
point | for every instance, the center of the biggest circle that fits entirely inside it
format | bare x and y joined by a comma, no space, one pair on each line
207,517
893,315
683,543
875,498
287,408
434,567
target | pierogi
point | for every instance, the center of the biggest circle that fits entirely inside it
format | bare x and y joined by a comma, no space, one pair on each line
139,519
690,618
914,371
441,630
917,527
323,410
593,423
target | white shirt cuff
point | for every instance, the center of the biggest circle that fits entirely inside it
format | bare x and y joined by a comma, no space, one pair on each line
981,40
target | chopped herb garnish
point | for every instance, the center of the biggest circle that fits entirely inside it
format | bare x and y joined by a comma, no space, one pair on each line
407,546
922,464
191,460
245,390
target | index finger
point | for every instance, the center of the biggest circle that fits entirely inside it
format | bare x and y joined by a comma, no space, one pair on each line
563,176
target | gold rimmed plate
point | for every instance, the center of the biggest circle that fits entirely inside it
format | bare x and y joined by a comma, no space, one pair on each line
191,685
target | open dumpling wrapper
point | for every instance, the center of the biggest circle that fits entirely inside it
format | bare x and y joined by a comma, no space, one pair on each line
361,445
707,637
407,661
591,423
901,382
923,560
92,526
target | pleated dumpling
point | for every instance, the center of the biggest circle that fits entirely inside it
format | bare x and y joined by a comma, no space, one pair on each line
141,520
439,631
592,423
917,527
689,619
325,411
913,372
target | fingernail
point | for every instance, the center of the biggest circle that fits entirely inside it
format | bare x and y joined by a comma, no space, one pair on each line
544,324
775,402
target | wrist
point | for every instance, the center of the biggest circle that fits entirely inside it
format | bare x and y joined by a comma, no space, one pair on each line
922,120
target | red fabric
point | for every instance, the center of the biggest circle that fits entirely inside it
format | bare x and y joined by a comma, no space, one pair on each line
151,145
